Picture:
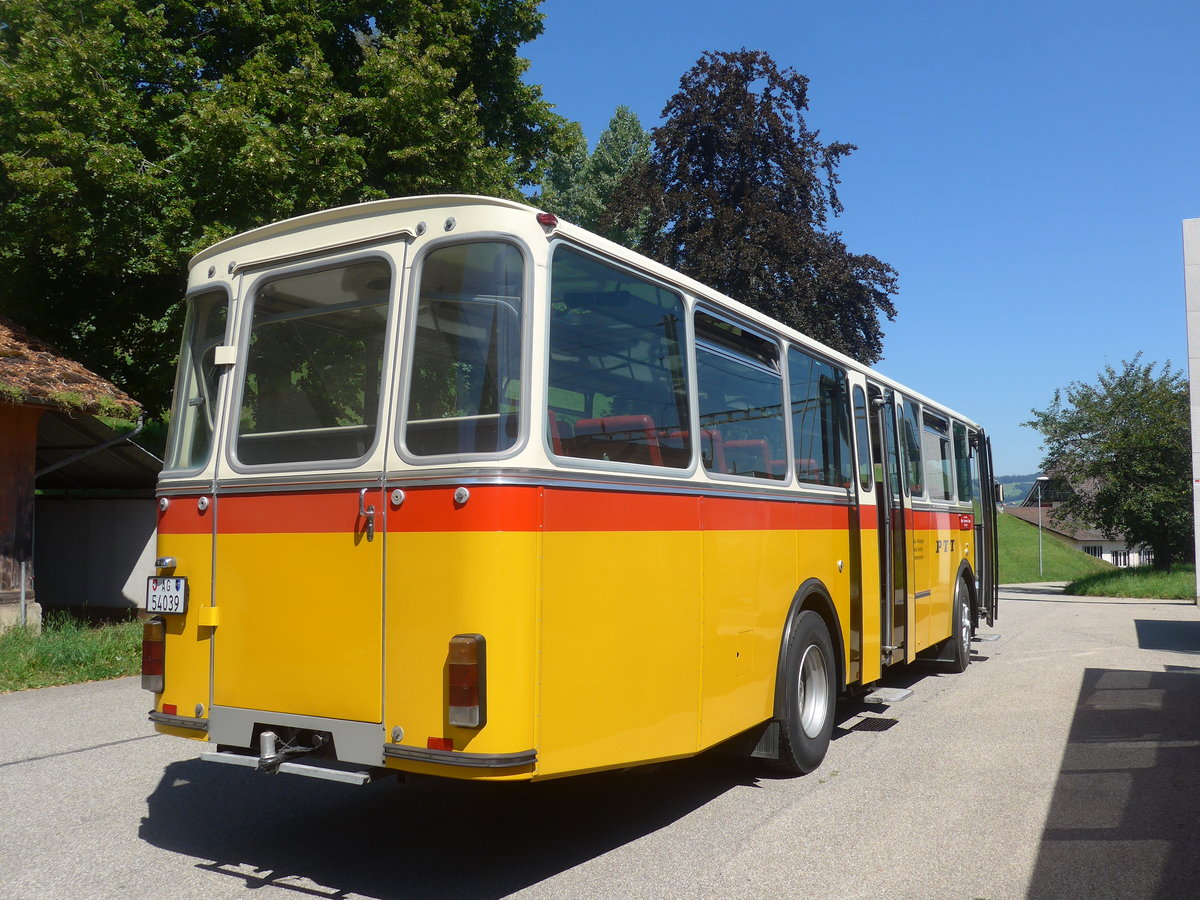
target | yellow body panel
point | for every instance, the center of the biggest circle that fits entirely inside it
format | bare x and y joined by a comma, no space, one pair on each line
603,648
445,583
938,567
188,643
750,580
621,655
867,591
301,624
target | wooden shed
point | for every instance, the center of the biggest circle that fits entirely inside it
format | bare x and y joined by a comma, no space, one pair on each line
54,414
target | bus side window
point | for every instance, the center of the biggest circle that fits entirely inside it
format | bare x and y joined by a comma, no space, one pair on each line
820,420
962,462
935,437
742,431
618,373
193,418
862,438
910,444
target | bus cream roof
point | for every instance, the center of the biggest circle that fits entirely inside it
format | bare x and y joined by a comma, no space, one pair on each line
356,212
383,209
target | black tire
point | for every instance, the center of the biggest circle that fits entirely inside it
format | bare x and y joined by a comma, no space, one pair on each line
809,696
964,626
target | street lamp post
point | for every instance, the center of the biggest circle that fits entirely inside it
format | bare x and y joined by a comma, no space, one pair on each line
1040,479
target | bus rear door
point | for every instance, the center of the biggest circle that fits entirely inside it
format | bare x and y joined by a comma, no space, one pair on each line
298,567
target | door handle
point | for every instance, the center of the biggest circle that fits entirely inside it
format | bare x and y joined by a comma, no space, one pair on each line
367,512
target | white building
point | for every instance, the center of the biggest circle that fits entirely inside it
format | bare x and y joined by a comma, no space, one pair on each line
1191,277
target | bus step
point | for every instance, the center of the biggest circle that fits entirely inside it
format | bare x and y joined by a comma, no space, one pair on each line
887,695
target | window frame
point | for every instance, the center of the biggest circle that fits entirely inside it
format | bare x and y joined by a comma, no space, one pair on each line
686,355
403,381
862,438
248,289
928,413
908,466
851,446
185,348
697,344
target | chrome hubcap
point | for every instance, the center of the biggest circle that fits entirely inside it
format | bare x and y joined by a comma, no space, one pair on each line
814,692
965,623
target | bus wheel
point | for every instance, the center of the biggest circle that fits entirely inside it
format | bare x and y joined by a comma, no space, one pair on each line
963,626
809,696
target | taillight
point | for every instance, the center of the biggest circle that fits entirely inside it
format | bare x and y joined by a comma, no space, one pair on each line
154,637
467,695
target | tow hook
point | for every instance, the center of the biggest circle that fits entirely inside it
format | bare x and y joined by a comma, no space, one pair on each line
270,754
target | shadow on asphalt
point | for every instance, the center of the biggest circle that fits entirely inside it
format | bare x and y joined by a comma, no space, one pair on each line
1157,634
849,710
428,838
1122,821
435,837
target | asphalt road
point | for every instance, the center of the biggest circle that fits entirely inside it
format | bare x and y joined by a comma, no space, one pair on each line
1063,763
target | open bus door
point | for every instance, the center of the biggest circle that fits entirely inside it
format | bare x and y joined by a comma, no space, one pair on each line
893,543
986,539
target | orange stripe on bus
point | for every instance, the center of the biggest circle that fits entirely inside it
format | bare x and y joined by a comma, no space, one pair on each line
183,516
511,508
314,512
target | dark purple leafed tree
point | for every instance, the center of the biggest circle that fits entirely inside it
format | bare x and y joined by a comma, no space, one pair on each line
738,193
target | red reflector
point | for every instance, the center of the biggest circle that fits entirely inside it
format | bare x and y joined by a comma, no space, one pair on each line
439,743
547,220
170,709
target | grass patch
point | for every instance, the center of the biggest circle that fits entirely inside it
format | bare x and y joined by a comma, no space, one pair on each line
1178,583
68,651
1060,560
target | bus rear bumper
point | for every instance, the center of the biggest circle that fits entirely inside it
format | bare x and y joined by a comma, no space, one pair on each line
360,743
461,758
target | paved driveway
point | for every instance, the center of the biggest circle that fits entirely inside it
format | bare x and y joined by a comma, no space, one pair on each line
1063,763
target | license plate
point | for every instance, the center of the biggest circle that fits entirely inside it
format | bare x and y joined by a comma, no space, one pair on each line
166,595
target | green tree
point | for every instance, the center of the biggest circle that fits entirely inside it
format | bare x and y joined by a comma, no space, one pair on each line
581,187
739,191
1124,445
133,133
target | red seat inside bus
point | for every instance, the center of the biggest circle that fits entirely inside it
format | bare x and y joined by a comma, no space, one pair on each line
630,439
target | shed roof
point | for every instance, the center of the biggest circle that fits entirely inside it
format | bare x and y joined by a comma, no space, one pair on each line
79,452
36,374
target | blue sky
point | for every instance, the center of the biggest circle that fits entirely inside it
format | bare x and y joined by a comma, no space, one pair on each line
1025,166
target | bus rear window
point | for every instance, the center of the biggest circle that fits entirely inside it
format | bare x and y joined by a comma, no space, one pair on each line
314,365
464,389
618,377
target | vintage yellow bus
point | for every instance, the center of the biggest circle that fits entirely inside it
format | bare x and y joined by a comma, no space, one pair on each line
454,487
